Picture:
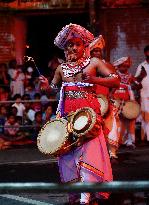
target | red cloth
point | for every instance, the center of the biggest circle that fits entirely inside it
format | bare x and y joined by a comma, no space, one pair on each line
102,90
122,93
90,100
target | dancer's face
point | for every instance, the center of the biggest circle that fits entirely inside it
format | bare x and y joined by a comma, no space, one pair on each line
125,66
96,52
74,49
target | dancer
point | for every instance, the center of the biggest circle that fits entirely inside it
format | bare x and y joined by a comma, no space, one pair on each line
111,118
122,95
90,161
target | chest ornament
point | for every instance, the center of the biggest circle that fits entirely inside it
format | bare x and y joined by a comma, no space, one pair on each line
71,69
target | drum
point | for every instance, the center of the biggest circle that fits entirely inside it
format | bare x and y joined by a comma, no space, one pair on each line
131,109
104,104
53,137
85,123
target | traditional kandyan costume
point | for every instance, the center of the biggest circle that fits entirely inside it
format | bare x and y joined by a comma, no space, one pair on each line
90,161
111,122
123,94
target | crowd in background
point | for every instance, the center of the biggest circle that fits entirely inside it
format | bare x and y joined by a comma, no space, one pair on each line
23,107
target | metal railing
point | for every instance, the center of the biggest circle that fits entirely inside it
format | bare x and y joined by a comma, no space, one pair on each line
113,187
28,101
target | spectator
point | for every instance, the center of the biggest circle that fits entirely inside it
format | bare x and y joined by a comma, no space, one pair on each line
12,65
11,128
48,115
4,94
37,125
4,144
3,114
142,75
28,76
44,98
30,90
26,97
37,105
20,107
37,85
19,120
29,114
14,111
17,80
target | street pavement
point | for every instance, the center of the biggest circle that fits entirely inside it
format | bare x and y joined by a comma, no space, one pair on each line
27,164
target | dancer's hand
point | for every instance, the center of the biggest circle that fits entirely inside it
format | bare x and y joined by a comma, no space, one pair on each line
44,83
87,78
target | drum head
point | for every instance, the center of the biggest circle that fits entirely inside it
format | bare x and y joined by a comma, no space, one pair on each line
52,136
83,120
131,109
103,104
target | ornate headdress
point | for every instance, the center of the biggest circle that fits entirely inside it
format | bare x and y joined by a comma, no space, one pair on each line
73,31
98,42
120,61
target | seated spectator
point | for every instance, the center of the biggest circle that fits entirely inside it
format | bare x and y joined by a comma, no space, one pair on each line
20,107
11,128
4,94
29,113
44,99
13,111
26,97
3,117
37,125
48,114
30,90
37,85
4,144
37,105
19,120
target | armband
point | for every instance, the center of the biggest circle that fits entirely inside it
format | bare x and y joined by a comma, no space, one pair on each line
53,86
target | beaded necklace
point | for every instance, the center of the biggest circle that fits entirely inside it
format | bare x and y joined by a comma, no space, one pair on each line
71,69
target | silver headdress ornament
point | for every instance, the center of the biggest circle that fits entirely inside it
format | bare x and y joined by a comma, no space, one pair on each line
120,61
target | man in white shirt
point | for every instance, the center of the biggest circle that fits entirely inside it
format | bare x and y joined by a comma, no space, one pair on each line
142,73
